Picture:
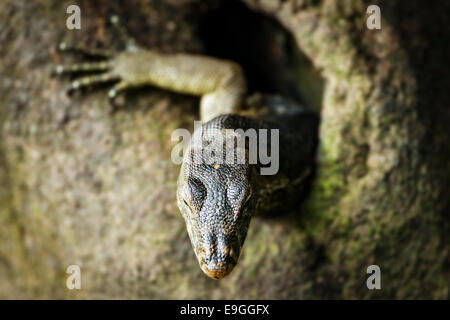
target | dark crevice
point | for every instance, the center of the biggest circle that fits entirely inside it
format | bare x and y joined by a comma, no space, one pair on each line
267,52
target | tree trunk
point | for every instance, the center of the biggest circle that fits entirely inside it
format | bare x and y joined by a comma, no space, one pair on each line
84,185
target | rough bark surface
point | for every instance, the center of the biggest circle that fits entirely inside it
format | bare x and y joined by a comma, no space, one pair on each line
83,184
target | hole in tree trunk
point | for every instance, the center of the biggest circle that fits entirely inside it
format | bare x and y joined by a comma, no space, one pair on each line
267,52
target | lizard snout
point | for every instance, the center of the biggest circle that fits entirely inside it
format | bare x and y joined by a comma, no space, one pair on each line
217,261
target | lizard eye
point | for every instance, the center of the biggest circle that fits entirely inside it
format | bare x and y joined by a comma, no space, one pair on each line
196,190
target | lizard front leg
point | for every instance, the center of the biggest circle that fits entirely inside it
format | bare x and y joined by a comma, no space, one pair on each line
220,83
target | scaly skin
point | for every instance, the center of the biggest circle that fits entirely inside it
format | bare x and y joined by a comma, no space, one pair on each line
216,199
220,83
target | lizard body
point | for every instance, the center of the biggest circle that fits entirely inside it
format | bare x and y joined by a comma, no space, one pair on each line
217,200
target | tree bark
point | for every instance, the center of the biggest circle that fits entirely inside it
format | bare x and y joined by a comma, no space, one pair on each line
82,184
380,196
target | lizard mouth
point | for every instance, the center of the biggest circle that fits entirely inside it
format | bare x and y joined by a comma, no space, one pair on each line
215,267
216,273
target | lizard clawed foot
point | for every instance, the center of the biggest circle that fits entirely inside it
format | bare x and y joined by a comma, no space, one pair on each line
114,92
105,75
81,67
98,53
88,81
104,70
124,36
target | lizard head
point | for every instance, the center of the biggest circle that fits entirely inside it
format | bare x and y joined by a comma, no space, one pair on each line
216,202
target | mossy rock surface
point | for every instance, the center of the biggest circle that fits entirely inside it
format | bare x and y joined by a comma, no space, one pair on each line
84,184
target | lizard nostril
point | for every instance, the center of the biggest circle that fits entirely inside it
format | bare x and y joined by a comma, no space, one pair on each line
208,250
